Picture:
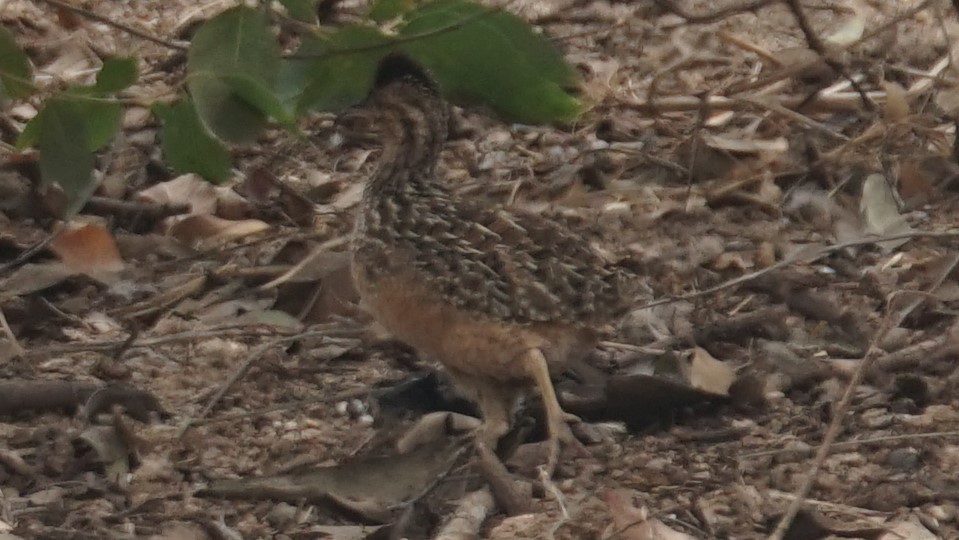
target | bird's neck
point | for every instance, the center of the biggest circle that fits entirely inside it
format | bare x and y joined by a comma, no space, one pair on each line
413,133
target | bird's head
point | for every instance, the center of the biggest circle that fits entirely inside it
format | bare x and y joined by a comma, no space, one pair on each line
404,102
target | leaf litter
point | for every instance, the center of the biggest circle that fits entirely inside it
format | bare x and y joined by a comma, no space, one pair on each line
692,195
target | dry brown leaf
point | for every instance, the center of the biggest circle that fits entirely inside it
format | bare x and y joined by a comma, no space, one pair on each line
210,230
880,211
850,31
896,108
34,277
632,523
349,197
708,374
88,248
738,145
914,182
178,530
947,99
232,205
75,64
911,529
189,189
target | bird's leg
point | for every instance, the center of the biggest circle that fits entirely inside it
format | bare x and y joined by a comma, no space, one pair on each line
496,404
557,429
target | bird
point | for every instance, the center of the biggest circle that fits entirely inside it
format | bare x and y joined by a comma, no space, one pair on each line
494,294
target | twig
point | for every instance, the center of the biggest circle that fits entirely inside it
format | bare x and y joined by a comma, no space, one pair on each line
242,370
840,411
744,87
845,101
800,256
151,211
468,516
213,332
860,442
18,350
817,45
922,298
706,18
793,115
119,26
27,254
843,508
831,432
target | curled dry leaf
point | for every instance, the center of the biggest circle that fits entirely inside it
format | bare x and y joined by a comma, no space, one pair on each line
110,449
206,230
896,108
850,31
911,528
189,189
880,210
737,145
708,374
87,248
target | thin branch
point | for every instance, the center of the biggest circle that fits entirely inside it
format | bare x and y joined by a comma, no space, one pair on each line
817,45
839,413
119,26
800,257
17,349
831,432
860,442
255,355
396,41
706,18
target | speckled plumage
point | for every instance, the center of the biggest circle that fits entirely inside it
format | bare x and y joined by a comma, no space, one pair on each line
490,293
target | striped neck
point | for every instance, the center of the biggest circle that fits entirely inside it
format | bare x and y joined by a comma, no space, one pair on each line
413,127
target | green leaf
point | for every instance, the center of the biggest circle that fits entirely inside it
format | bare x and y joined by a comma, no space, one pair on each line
30,134
384,10
235,44
16,76
337,71
62,159
101,119
187,145
265,100
301,10
115,75
492,57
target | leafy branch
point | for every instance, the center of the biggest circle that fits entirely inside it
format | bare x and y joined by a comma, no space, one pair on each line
239,81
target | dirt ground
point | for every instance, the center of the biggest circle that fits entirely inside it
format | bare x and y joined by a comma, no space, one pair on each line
709,151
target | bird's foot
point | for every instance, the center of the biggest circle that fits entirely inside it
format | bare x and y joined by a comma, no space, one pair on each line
561,436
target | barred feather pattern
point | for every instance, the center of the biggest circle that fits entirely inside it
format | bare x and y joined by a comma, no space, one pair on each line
505,265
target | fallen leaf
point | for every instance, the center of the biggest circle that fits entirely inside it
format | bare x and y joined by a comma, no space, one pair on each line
110,449
911,529
349,197
880,211
632,523
210,230
88,249
896,108
738,145
34,277
708,374
850,31
189,189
